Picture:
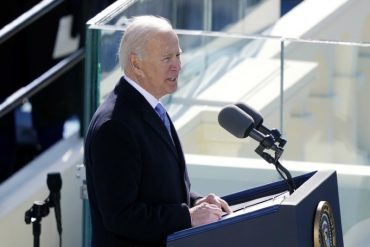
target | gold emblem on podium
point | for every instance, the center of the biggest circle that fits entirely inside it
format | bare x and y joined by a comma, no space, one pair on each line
324,234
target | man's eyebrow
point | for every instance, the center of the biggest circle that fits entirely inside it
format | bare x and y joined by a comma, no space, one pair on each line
171,54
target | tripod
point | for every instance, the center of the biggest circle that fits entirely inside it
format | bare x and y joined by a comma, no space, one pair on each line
40,209
35,214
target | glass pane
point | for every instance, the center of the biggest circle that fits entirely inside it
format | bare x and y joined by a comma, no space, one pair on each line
223,70
245,16
317,98
189,14
217,70
253,17
325,117
111,71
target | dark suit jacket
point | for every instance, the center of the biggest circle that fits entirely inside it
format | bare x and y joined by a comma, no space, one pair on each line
137,181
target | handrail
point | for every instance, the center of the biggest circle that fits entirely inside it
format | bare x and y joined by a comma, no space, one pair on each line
42,81
27,18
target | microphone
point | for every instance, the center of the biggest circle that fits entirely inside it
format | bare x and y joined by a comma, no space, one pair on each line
54,182
240,124
235,121
256,116
258,120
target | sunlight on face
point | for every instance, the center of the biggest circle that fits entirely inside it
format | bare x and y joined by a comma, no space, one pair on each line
161,64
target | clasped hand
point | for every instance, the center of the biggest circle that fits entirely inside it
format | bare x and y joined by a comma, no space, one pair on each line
208,209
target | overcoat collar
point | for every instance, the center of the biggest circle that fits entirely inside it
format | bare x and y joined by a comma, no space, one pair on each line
140,104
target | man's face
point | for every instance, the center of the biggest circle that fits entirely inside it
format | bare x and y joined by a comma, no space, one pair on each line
161,64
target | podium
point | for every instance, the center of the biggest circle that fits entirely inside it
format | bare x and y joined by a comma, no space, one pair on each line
272,217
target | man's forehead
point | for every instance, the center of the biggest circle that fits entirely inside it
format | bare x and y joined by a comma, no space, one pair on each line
164,44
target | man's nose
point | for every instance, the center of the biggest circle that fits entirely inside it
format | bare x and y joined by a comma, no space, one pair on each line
176,65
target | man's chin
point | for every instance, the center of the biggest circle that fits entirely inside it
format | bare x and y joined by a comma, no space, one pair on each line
172,87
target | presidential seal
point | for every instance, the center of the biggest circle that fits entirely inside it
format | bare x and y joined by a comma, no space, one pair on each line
324,226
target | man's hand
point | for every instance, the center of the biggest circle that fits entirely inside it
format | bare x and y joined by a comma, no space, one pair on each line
215,200
204,213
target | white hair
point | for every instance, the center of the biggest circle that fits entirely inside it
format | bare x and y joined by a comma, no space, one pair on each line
140,29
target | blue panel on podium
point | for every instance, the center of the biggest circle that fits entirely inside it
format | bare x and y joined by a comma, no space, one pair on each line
270,216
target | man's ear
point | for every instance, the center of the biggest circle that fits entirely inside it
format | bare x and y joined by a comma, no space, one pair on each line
135,64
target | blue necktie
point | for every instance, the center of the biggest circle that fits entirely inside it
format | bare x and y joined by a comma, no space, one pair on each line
162,114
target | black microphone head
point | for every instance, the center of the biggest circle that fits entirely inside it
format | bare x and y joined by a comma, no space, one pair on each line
54,182
235,121
257,118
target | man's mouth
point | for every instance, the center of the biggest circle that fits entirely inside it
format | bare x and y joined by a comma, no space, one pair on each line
173,79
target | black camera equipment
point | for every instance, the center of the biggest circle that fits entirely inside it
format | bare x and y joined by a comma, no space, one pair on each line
41,209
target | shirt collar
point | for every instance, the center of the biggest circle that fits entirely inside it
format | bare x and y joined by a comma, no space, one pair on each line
150,98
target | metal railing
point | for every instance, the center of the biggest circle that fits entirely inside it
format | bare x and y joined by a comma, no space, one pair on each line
39,83
27,18
9,30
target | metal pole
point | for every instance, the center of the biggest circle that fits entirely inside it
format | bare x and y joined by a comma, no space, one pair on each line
27,18
39,83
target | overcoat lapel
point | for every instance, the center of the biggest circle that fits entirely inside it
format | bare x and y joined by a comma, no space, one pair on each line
156,124
149,115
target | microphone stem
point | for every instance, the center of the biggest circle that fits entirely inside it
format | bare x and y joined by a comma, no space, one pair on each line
284,173
288,178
